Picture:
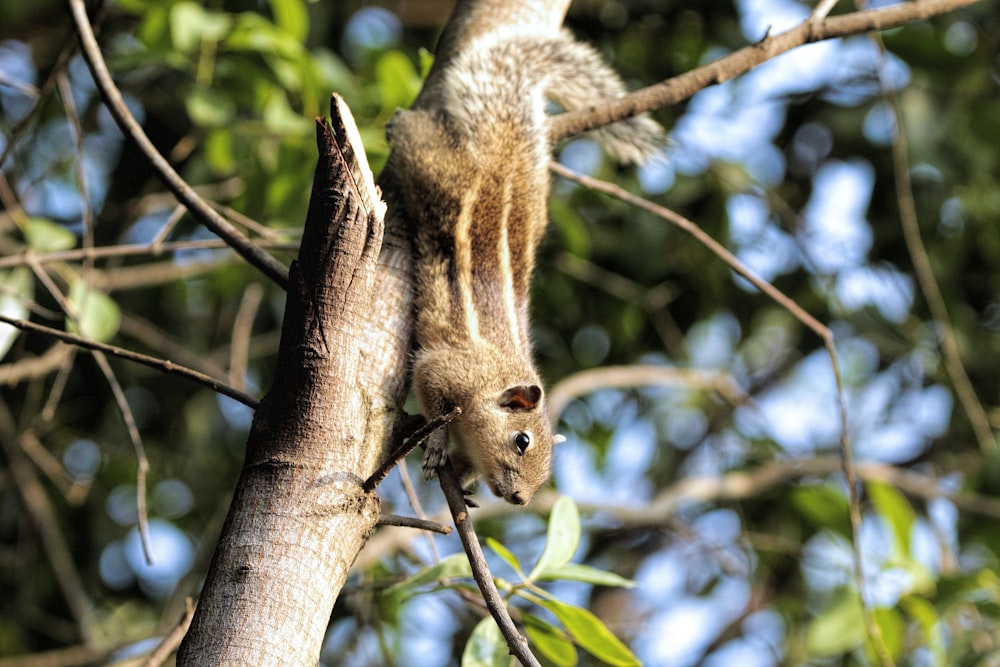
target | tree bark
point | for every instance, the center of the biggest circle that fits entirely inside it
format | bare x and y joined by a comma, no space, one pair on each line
299,515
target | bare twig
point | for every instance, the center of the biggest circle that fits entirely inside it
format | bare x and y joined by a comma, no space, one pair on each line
33,367
271,267
924,272
142,463
588,381
239,348
480,570
678,88
14,136
168,646
48,411
175,217
127,250
159,364
409,442
702,237
413,522
76,132
53,469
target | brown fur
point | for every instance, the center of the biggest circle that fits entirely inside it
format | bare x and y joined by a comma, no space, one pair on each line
475,181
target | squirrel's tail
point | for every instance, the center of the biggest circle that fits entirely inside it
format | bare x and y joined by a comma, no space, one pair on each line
506,78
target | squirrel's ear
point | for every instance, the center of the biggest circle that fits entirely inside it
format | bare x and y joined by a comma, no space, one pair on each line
521,397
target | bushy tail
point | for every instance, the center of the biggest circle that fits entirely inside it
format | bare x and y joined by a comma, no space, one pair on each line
504,79
580,78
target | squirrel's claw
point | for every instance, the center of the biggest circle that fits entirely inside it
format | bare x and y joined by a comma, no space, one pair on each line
435,454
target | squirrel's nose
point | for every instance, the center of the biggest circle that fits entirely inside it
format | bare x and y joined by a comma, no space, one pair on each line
515,498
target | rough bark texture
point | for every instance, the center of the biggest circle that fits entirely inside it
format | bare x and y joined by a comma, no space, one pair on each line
299,515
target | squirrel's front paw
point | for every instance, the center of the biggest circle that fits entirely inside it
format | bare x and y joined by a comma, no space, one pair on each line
435,455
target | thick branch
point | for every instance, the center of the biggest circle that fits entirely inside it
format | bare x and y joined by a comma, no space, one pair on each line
300,515
480,570
678,88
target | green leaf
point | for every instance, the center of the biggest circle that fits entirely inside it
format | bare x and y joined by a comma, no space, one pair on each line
505,553
927,618
190,23
280,118
586,573
486,646
896,511
563,537
292,17
207,107
219,151
97,316
18,290
397,80
824,505
43,235
838,629
590,633
426,59
893,630
452,567
549,641
572,230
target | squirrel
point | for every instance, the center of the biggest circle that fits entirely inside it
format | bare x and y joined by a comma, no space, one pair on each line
473,170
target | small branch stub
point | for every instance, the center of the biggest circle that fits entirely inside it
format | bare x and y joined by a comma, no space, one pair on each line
409,442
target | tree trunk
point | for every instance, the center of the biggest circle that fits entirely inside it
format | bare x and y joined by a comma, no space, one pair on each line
299,515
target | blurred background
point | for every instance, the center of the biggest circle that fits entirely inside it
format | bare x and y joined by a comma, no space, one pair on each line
712,478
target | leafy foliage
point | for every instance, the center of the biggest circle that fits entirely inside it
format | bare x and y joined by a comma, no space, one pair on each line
715,521
579,626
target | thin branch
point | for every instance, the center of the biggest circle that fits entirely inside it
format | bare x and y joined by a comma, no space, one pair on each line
678,88
413,522
702,237
52,468
168,646
163,344
33,367
588,381
159,364
924,272
480,570
173,219
14,136
271,267
76,132
409,442
411,494
753,483
127,250
48,412
141,462
239,348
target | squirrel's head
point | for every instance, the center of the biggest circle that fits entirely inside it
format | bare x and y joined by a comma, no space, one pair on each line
509,442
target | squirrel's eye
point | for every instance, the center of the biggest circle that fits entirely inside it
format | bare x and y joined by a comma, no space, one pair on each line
522,440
